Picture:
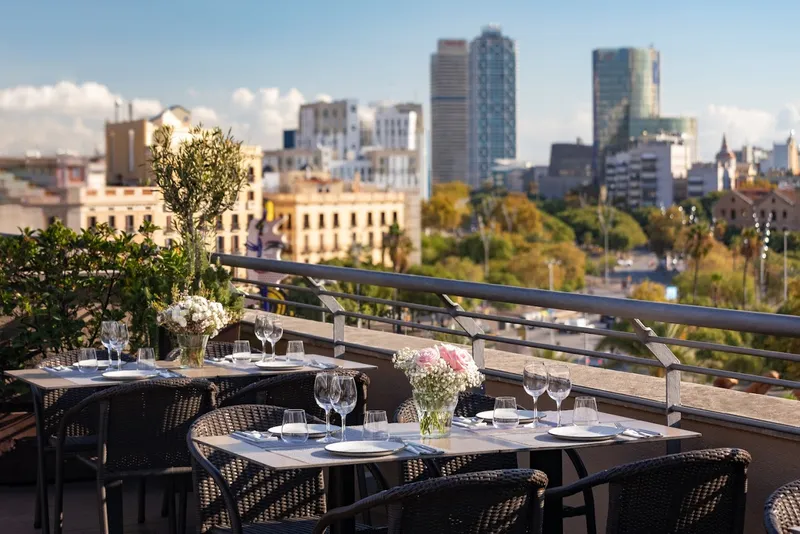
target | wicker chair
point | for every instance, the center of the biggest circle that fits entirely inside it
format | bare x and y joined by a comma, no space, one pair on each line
697,492
490,502
235,495
782,509
468,405
141,433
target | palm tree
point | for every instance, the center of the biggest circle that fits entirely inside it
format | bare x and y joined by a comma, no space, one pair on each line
399,246
716,280
698,244
633,347
749,249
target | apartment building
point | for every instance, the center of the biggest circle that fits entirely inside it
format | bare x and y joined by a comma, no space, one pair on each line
63,169
292,159
330,124
781,206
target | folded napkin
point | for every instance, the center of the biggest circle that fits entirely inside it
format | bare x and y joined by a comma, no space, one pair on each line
639,433
420,448
253,436
321,365
468,422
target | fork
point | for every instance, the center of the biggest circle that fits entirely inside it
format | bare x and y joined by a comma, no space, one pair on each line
640,433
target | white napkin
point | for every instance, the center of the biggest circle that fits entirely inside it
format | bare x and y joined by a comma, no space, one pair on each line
467,422
253,436
422,448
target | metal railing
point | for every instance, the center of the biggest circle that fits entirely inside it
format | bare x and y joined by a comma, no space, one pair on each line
634,310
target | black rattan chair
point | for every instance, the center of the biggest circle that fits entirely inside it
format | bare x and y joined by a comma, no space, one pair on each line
490,502
237,496
141,433
782,509
468,405
697,492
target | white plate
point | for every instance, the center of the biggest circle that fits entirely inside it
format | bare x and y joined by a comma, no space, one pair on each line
314,431
130,375
100,364
585,433
525,416
364,448
279,366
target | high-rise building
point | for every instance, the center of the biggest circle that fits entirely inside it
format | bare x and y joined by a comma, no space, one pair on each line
685,127
492,103
625,85
449,68
330,124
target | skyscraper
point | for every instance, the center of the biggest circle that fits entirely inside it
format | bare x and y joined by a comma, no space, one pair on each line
625,85
492,103
449,111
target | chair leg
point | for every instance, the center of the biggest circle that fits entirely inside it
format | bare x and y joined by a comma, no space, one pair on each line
58,513
362,491
37,511
165,501
110,495
171,506
142,499
181,505
43,506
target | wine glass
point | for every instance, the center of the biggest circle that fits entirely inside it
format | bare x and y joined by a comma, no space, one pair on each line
119,341
275,335
505,415
345,399
324,391
294,428
107,329
146,359
263,328
376,426
534,380
87,361
295,351
558,385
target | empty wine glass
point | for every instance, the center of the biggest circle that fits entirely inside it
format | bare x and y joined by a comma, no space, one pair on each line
345,399
558,385
294,428
295,351
505,413
107,334
87,361
534,380
263,328
324,391
585,412
376,426
275,335
241,352
119,341
146,359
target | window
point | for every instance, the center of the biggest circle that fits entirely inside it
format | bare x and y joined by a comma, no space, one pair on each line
784,214
220,244
235,248
335,241
762,214
306,223
336,220
148,218
234,222
251,174
722,212
353,220
112,221
289,222
92,222
322,242
305,247
383,218
370,240
774,215
250,217
322,220
251,195
369,219
129,224
733,215
219,223
51,221
394,217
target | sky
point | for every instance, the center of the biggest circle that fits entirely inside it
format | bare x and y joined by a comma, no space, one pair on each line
249,64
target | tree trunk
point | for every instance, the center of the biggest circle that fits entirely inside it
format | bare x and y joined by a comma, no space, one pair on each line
694,285
744,285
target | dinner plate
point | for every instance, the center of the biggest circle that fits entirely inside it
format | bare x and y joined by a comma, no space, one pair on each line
100,364
130,375
525,416
314,430
585,433
364,448
275,365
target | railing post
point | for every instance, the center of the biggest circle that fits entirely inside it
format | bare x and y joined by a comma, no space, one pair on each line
332,305
673,378
470,327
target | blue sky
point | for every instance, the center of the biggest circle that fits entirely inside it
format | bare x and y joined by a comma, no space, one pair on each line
729,63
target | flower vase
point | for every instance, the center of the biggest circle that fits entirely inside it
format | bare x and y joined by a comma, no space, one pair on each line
435,415
193,349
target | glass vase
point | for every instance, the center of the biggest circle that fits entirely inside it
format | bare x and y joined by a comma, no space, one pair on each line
435,415
193,349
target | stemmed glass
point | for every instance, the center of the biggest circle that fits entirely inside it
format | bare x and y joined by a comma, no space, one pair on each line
558,385
534,380
107,329
275,335
324,391
344,400
263,328
119,340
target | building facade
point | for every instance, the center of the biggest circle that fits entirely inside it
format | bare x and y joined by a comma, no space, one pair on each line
293,159
330,124
625,85
59,170
570,159
685,127
449,75
492,103
743,207
718,176
785,157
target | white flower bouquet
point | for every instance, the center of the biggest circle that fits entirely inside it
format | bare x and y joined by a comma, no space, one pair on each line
193,319
437,375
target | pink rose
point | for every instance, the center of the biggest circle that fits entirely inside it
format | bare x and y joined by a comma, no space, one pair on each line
427,357
457,358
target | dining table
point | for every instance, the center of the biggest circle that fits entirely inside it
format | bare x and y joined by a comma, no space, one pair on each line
545,452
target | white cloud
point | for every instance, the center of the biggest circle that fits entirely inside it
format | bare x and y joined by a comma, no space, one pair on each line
242,97
322,97
204,115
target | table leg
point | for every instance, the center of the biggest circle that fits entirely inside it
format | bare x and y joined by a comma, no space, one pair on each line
550,463
342,492
41,441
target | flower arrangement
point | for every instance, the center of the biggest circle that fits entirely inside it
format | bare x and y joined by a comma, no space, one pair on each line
193,319
437,375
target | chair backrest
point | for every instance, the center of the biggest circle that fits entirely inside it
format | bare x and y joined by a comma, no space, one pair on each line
696,492
143,425
296,390
782,509
231,490
490,502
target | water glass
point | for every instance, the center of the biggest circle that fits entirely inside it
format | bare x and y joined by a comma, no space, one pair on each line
559,385
241,353
295,351
146,359
323,392
585,412
119,341
505,414
263,328
87,361
294,428
534,380
344,399
275,335
376,426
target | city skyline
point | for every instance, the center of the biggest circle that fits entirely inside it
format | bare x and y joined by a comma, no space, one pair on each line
250,74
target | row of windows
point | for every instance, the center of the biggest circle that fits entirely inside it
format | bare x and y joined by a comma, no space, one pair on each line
773,213
234,244
335,222
129,227
335,248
